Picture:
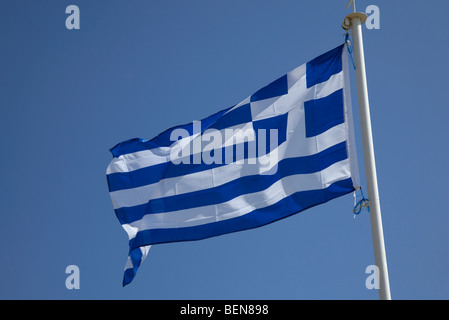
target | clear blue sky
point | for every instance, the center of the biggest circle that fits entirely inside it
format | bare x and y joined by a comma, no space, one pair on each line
136,68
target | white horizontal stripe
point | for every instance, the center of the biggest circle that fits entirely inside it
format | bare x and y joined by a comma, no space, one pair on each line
264,109
221,175
137,160
298,74
233,135
243,204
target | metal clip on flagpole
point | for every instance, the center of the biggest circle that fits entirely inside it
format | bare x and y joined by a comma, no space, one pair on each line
354,21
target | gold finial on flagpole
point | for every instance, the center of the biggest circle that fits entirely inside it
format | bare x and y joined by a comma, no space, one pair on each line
347,21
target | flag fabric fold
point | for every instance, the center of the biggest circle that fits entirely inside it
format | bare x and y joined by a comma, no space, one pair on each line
286,148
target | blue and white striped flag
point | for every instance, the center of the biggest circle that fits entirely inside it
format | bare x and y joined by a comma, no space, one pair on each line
286,148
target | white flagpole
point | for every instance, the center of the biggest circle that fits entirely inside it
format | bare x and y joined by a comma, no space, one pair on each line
355,21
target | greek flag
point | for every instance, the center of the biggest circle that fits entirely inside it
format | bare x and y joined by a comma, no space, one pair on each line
288,147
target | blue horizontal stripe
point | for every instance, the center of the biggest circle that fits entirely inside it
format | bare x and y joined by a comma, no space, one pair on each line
163,139
237,187
129,146
286,207
232,118
324,66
